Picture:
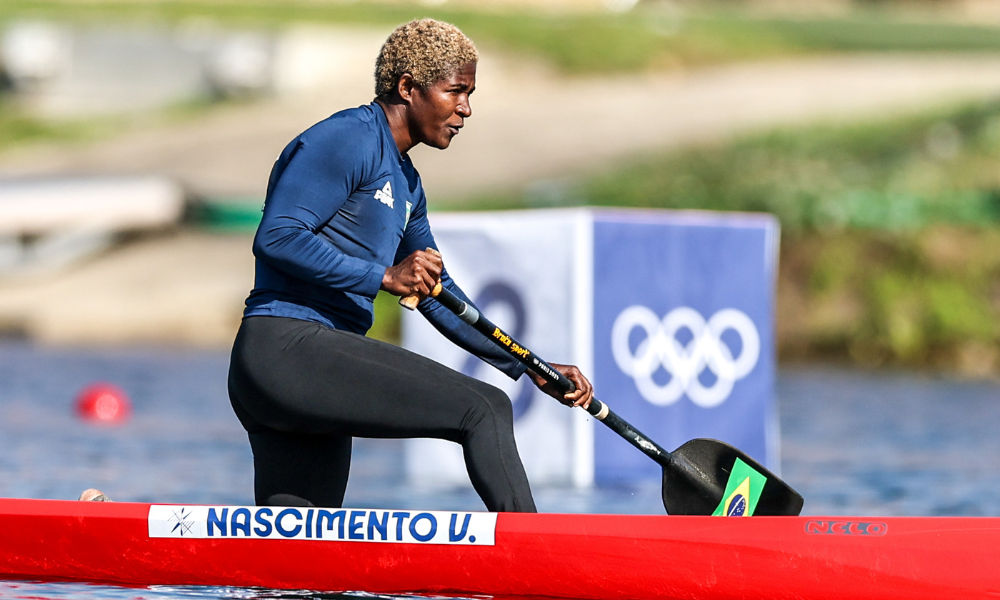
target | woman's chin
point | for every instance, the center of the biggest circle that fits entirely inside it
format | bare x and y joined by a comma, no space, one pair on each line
441,144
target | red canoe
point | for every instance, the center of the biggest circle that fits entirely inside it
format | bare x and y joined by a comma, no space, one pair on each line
568,556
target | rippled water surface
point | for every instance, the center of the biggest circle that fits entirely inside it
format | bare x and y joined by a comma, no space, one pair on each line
852,443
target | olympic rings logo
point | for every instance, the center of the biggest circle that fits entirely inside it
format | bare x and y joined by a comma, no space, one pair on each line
684,362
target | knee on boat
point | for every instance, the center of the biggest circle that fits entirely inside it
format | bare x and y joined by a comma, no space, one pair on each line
94,495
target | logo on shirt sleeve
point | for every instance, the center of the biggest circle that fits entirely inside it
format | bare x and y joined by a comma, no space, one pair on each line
384,195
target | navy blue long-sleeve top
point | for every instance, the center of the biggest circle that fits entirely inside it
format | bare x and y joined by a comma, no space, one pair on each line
343,205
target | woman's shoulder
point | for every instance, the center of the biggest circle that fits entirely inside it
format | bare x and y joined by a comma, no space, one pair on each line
356,127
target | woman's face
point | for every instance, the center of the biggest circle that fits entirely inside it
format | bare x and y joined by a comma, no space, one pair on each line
440,110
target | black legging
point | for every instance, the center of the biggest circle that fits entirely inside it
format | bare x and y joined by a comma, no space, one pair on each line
302,391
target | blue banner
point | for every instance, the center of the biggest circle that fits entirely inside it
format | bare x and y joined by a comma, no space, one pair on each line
683,333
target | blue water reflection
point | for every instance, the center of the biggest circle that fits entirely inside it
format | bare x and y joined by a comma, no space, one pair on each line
890,443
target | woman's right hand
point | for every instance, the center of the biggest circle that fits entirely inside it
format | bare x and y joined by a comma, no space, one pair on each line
415,275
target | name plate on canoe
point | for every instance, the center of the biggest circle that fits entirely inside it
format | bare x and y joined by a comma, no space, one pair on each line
322,524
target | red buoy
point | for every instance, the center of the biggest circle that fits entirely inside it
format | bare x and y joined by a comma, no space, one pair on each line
103,403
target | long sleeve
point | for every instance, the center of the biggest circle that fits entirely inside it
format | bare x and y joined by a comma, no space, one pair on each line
309,184
418,236
463,335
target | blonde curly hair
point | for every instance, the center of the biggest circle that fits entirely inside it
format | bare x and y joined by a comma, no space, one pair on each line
427,49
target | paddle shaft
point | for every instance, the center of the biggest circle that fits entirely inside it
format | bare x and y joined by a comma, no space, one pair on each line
598,409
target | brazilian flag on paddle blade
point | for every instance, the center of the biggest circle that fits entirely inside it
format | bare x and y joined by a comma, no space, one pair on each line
742,492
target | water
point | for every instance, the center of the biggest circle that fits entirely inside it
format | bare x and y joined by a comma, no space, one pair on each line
852,443
37,590
890,444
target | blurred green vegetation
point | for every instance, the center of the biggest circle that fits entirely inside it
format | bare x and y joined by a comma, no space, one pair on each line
649,37
890,245
19,126
16,127
902,174
915,299
388,319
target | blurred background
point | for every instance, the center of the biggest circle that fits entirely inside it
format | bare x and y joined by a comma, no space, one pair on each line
136,137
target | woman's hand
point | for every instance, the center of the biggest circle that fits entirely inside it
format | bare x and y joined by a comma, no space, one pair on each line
584,391
415,275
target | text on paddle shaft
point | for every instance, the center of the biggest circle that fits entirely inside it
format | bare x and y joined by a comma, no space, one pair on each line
349,524
510,343
543,368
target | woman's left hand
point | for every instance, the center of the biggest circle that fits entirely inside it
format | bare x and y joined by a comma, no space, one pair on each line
584,391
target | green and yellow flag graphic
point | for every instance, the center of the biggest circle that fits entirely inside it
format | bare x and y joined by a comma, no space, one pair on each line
742,492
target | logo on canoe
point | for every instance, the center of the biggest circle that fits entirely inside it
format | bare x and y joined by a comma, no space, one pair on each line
684,362
343,525
846,528
182,520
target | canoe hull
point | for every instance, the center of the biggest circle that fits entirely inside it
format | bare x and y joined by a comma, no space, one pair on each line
569,556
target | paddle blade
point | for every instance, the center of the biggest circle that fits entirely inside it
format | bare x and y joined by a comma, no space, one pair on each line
694,483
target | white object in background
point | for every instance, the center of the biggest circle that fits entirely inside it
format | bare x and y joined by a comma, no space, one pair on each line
66,219
315,59
34,51
620,6
101,69
241,64
45,205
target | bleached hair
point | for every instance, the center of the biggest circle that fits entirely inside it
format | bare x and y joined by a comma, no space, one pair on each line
428,50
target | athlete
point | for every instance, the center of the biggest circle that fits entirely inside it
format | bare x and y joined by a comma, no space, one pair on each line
345,216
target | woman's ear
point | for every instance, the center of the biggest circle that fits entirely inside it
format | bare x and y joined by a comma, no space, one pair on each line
405,87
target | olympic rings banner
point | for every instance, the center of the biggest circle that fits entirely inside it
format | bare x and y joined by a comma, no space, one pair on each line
669,312
684,363
684,332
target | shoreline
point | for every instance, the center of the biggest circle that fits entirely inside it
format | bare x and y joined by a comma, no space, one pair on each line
179,287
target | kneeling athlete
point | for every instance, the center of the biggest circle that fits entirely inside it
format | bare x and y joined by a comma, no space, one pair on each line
345,216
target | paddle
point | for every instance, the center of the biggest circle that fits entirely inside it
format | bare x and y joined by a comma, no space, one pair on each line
695,476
